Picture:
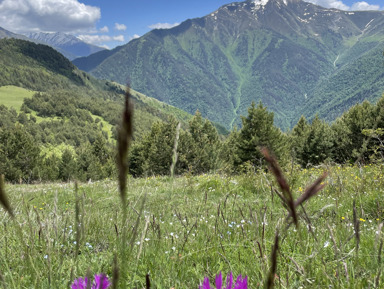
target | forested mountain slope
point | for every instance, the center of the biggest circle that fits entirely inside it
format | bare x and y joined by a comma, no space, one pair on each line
41,68
296,57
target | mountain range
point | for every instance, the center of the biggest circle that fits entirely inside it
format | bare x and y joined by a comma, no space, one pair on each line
71,46
68,45
296,57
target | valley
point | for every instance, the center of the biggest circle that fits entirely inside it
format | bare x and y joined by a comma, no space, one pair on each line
248,142
238,54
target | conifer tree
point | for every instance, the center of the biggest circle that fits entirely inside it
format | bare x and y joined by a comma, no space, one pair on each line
67,167
19,154
205,144
317,144
298,138
356,119
259,131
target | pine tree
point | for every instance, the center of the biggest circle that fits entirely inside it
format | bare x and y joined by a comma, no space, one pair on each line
19,154
356,119
298,138
67,167
317,144
205,144
259,131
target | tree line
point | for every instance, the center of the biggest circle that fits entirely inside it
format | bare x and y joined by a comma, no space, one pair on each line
356,136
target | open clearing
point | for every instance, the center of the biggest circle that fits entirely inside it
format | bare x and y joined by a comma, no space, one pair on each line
13,96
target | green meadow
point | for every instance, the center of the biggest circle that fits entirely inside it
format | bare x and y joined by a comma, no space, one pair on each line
13,96
180,230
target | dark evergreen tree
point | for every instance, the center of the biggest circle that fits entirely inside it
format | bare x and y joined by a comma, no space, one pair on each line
317,143
67,167
229,154
259,131
298,138
19,155
205,144
49,168
356,119
152,155
342,145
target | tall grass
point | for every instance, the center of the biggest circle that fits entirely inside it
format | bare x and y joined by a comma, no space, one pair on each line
197,227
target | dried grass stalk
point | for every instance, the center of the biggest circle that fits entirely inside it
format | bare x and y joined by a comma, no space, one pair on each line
276,171
272,272
123,141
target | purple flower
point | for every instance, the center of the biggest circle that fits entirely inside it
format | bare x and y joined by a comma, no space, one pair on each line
80,283
100,282
240,282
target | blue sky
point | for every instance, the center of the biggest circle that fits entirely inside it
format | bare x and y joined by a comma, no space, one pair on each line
110,23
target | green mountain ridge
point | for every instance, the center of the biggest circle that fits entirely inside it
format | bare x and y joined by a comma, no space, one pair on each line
296,57
42,69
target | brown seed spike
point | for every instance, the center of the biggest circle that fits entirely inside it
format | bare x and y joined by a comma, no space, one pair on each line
271,277
123,142
3,197
276,171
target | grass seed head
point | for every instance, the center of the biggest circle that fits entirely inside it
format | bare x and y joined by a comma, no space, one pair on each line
123,141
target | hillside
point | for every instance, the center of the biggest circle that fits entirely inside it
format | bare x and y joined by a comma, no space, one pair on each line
296,57
40,68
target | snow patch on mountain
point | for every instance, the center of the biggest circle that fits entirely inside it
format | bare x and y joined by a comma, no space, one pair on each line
261,2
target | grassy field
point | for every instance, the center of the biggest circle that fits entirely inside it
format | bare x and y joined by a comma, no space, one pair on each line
180,230
13,96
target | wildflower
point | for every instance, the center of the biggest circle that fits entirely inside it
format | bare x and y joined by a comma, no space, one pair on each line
240,282
343,218
362,220
326,244
100,282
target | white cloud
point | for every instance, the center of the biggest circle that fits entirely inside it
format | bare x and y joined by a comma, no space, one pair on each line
163,25
134,37
119,38
340,5
120,27
364,6
104,29
47,15
96,39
